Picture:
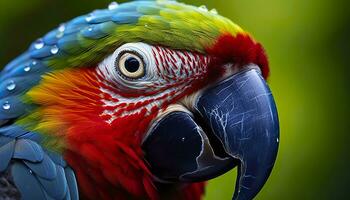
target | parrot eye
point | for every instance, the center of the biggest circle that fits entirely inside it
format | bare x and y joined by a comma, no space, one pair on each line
131,65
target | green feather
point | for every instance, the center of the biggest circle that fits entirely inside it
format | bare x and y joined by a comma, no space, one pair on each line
166,23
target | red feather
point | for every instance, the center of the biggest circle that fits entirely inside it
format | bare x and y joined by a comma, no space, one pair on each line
240,49
106,154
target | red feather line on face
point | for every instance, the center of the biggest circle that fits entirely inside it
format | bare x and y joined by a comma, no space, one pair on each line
177,74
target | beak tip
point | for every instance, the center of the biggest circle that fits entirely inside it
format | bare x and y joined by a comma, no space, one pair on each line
235,124
247,124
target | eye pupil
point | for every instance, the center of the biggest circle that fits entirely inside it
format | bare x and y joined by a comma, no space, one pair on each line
132,64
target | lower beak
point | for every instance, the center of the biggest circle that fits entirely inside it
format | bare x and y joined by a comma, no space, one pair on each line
235,123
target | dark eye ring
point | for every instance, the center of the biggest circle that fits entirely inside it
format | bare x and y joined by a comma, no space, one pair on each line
131,65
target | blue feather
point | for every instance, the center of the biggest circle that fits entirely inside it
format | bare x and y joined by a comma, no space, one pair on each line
57,187
131,7
51,37
28,68
11,107
47,197
72,183
31,136
98,17
69,44
126,18
57,158
93,32
81,20
18,85
107,27
6,153
12,131
72,28
26,182
5,140
20,59
28,150
45,169
43,52
67,197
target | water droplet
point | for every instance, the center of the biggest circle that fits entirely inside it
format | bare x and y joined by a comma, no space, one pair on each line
54,50
62,28
214,11
11,86
26,68
113,5
89,18
203,8
183,139
6,105
30,171
34,63
146,25
39,44
277,140
90,29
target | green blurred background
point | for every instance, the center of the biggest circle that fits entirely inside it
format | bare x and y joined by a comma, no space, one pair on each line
308,42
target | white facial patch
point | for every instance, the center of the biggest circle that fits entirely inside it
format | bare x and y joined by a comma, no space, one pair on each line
109,67
165,76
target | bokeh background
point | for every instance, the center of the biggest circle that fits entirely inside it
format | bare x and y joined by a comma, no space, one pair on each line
308,42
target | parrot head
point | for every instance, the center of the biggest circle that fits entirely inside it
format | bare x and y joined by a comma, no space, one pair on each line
148,94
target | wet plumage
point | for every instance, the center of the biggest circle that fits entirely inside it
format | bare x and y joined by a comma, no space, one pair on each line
68,122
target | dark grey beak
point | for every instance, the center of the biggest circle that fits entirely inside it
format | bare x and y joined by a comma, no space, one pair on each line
235,123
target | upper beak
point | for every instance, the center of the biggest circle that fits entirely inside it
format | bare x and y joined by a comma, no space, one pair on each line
234,123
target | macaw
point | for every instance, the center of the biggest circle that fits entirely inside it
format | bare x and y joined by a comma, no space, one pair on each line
143,100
